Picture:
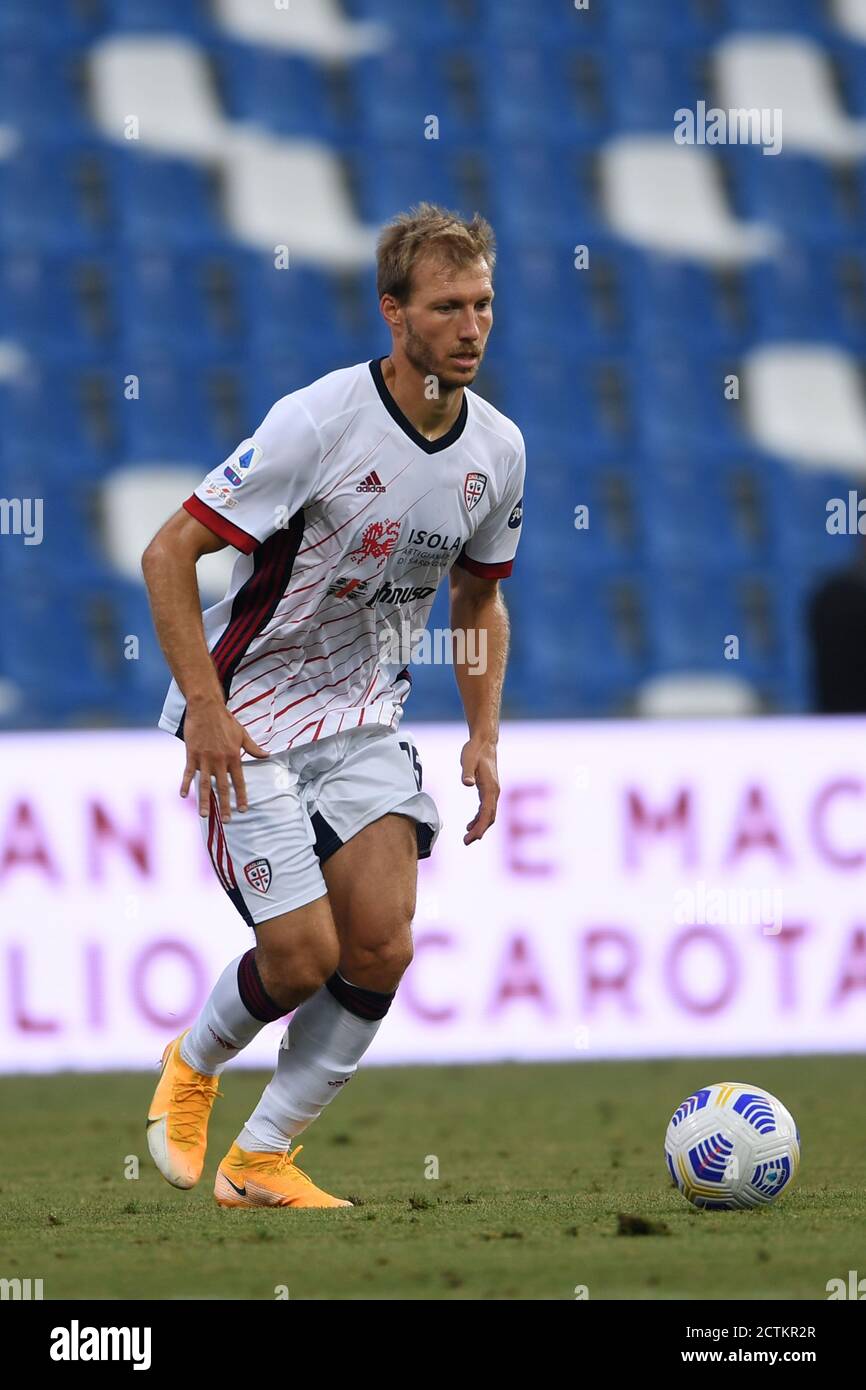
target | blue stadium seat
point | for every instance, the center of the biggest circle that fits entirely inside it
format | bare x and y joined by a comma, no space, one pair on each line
281,92
22,22
647,83
546,194
787,16
51,302
680,399
62,418
182,305
64,655
167,203
407,173
801,197
191,17
563,94
557,21
664,22
58,202
691,618
677,304
186,414
415,22
43,92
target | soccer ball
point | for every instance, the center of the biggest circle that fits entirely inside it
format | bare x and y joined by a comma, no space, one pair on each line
732,1145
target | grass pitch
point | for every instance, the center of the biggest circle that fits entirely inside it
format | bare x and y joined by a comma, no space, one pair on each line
537,1165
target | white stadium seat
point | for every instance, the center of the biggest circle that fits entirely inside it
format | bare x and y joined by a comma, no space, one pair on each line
14,360
166,84
315,27
135,501
291,193
685,695
792,75
850,15
806,403
670,198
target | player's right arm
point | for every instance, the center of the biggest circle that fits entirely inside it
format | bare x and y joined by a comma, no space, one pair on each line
214,738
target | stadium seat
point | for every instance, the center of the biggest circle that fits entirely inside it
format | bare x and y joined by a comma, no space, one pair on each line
42,92
292,193
785,15
66,209
804,199
167,204
803,296
850,16
166,84
670,198
49,299
805,402
316,28
686,696
189,17
136,500
181,305
280,93
792,75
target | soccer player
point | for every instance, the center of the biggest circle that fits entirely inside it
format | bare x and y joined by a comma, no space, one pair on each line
352,499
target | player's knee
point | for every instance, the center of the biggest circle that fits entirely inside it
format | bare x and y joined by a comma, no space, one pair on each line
298,969
389,957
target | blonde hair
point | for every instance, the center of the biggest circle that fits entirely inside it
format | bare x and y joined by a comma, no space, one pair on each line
429,228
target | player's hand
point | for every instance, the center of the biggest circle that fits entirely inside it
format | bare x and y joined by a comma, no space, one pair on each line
214,741
478,761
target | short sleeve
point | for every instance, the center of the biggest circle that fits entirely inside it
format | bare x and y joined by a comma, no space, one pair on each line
490,552
264,482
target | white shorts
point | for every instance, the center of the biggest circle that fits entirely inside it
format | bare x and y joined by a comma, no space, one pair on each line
304,804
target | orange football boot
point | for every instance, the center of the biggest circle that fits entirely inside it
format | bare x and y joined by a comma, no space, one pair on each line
178,1117
246,1179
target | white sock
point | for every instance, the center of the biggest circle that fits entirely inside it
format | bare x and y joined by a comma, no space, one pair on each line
320,1051
224,1026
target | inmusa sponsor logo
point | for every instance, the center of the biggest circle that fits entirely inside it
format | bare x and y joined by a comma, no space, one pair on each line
397,594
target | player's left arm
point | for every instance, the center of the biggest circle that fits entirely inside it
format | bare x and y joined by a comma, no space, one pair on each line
479,613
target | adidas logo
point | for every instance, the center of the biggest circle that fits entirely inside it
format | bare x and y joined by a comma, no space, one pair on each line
371,484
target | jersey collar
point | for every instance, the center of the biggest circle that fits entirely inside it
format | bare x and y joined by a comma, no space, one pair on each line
430,446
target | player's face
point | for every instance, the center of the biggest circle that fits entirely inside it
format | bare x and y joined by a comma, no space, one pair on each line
447,320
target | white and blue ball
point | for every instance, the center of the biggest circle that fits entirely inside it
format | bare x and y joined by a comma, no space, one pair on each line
732,1145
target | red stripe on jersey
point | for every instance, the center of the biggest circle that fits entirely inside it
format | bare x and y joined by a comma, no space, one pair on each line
223,849
214,835
255,602
254,700
484,570
313,693
220,525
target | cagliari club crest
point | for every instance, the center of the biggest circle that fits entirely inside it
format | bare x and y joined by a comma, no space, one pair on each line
473,489
258,874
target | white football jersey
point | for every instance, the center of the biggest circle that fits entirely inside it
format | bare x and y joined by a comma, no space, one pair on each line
346,518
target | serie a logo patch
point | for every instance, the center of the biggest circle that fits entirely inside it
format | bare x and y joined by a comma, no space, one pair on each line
242,462
258,874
